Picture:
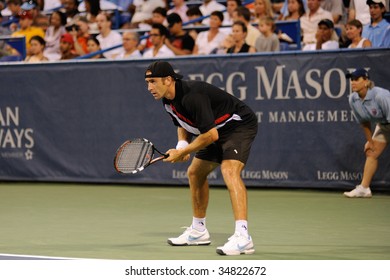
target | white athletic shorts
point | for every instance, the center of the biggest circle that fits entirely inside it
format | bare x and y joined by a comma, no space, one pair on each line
382,133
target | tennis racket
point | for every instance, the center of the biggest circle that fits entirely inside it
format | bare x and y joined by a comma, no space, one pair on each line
135,155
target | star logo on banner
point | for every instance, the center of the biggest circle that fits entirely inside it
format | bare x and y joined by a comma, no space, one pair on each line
28,154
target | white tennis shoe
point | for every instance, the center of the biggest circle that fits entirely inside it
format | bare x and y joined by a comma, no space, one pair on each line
191,236
360,192
237,244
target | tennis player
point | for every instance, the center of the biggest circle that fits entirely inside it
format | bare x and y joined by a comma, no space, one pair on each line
224,129
369,104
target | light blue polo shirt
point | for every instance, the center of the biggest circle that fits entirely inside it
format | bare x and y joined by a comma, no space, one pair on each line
376,34
375,107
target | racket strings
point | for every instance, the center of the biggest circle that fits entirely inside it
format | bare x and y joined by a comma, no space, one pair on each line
134,155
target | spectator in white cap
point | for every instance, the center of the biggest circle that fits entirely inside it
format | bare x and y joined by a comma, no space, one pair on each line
378,30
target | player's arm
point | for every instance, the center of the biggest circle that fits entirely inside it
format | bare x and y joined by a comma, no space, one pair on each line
200,142
183,135
183,139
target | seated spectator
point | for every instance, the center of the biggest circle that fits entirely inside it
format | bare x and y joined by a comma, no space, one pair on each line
51,5
377,30
37,44
92,9
296,9
71,10
143,11
243,14
267,41
208,41
33,7
108,38
335,7
39,20
80,33
159,16
309,21
93,45
284,9
130,43
359,10
180,8
42,21
231,6
208,7
124,5
3,32
26,28
180,42
194,15
13,7
262,8
66,47
158,34
239,32
53,35
354,30
324,39
277,6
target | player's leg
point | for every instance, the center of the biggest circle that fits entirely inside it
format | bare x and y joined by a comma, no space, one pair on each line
236,149
240,242
199,186
197,233
231,172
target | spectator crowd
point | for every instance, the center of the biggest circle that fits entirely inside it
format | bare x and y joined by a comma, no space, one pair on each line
133,29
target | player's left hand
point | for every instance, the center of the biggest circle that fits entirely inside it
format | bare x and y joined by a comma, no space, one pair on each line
176,156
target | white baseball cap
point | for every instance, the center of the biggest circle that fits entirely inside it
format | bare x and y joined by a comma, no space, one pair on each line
376,2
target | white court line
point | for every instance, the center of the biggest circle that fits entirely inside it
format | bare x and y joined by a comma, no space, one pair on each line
32,257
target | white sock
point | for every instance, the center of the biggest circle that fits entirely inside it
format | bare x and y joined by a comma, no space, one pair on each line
242,227
199,223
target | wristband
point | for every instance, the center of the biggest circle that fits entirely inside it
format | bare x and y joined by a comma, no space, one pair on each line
181,144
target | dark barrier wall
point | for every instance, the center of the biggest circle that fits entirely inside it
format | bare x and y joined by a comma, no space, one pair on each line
64,121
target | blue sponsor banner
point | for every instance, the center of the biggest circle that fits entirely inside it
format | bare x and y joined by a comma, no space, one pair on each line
64,121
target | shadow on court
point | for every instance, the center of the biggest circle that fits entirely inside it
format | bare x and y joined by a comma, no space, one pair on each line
134,222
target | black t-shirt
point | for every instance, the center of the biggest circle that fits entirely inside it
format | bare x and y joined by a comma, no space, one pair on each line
244,49
199,106
183,42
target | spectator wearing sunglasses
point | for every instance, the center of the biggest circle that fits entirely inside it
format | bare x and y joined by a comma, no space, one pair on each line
158,34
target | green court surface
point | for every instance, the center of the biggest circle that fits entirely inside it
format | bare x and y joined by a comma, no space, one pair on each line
134,222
